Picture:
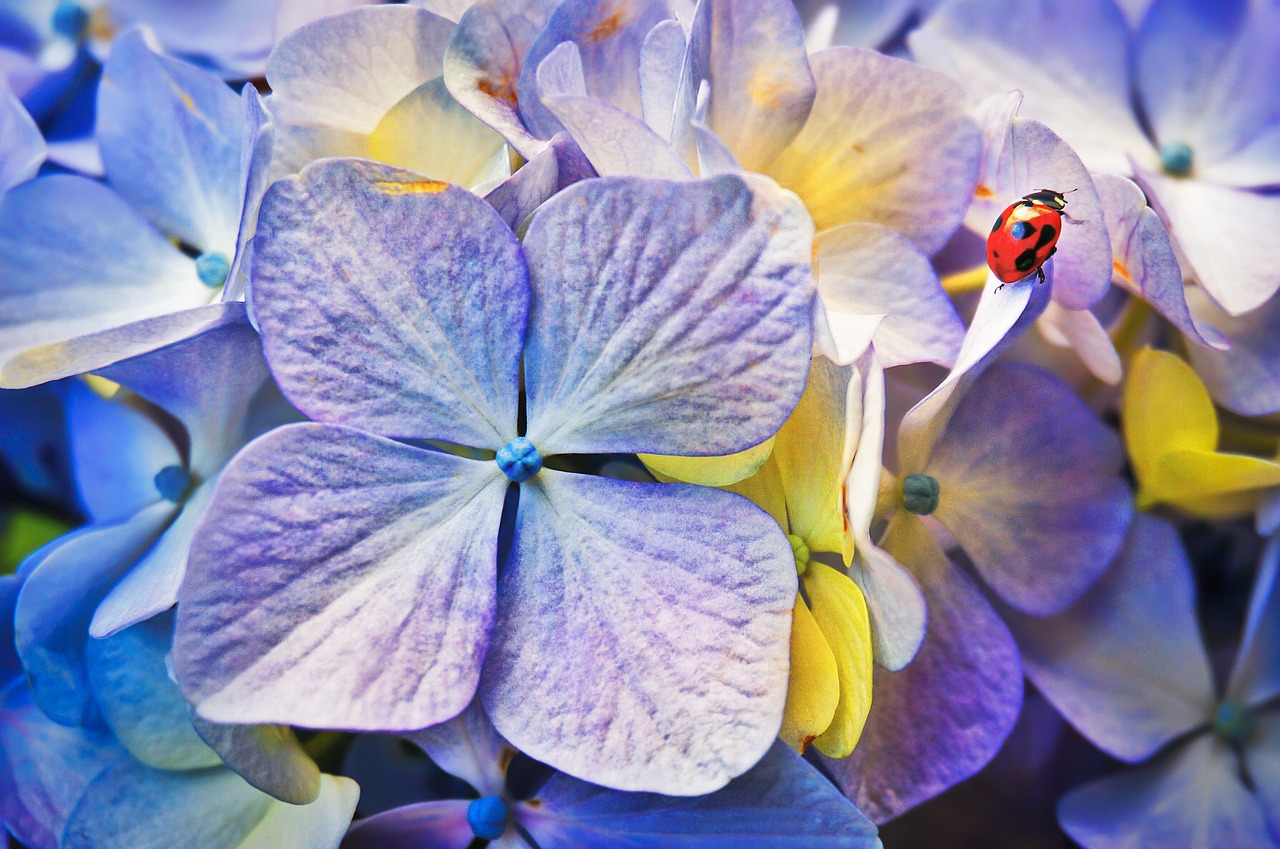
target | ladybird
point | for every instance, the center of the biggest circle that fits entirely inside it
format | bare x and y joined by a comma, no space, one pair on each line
1025,236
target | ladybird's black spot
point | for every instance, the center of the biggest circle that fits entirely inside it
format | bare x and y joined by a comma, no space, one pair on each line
1047,232
1022,230
1026,260
997,225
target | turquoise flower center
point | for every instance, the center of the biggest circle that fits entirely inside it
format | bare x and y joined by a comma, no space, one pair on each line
173,482
70,20
213,268
1176,159
1232,722
801,552
488,817
519,460
920,494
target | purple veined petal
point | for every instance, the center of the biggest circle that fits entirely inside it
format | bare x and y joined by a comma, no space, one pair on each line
609,37
325,74
299,610
116,453
1143,260
1078,82
267,756
59,598
170,135
22,147
895,603
1262,760
78,260
1203,217
1127,686
44,767
206,380
1246,378
616,142
142,707
945,715
560,72
780,803
484,60
1214,99
662,57
258,141
1081,331
685,331
131,806
151,585
516,197
1031,487
470,748
1001,317
867,269
634,661
1256,675
762,88
1024,156
1189,796
887,141
407,352
441,825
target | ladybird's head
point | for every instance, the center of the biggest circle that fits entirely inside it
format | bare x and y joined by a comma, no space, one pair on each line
1048,197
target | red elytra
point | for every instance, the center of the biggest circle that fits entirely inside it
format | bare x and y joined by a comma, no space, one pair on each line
1025,236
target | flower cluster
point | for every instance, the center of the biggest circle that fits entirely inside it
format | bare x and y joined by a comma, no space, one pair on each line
585,423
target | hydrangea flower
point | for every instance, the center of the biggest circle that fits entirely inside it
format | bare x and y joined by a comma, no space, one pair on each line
346,579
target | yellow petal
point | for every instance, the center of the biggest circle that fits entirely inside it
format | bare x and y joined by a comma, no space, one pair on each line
709,471
814,690
841,613
1182,477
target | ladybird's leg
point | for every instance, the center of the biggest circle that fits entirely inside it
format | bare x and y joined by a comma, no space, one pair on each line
1040,275
998,288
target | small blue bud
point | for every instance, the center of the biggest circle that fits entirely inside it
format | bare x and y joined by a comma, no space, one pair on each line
519,460
213,269
70,20
488,817
920,494
1232,722
1176,159
172,482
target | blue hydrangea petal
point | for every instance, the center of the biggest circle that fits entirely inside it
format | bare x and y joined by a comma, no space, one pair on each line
340,580
1078,83
1189,796
1246,378
22,147
483,64
44,767
516,197
644,646
428,344
325,73
780,803
668,318
1045,488
10,664
1262,760
1256,675
79,260
662,58
442,824
269,757
170,135
945,715
232,38
470,748
258,140
131,806
761,86
1130,688
615,142
59,598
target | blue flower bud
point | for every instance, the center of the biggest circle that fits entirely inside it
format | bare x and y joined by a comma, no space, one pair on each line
519,460
920,494
1176,159
70,19
213,269
488,817
173,482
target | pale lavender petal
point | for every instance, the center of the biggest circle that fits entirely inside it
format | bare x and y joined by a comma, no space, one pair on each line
1203,217
867,269
440,825
256,153
1246,378
761,86
713,156
484,60
661,61
470,748
668,318
1191,796
1143,260
616,142
653,622
22,148
944,716
1030,486
1077,82
367,283
452,10
1126,685
887,141
1081,331
782,803
1256,675
1262,760
299,608
516,197
267,756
